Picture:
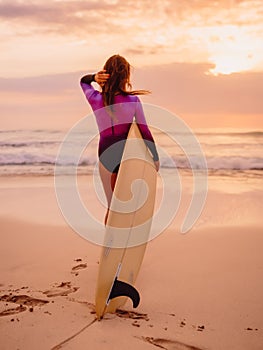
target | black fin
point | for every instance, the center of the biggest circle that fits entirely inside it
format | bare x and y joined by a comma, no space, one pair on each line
120,289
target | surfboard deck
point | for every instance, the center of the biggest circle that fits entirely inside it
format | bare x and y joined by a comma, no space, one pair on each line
129,222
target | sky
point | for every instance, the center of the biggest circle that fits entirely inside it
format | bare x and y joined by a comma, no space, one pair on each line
202,59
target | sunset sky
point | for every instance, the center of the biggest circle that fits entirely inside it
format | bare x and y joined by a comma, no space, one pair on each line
202,59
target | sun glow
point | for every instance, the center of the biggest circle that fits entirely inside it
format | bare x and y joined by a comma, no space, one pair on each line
233,49
227,36
231,63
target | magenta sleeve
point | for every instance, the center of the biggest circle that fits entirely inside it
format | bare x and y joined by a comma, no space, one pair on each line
86,86
145,131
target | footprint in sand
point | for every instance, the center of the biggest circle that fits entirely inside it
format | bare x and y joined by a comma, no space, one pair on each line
13,310
78,267
63,289
22,300
131,314
169,344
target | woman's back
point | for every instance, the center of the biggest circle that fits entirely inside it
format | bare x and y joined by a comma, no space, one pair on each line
115,108
119,117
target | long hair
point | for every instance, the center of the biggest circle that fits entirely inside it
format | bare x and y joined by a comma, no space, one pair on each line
119,81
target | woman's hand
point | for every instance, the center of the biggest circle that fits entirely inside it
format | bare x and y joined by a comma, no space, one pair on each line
157,165
101,77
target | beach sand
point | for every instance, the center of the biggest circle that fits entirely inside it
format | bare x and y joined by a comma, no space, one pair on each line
200,290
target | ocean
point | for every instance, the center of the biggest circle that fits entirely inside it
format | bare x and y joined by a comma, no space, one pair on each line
228,152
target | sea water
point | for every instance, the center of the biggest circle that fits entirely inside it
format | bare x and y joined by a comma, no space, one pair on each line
234,160
227,152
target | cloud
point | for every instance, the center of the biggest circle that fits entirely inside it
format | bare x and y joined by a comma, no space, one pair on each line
186,88
46,85
53,16
48,10
67,16
206,12
42,33
182,86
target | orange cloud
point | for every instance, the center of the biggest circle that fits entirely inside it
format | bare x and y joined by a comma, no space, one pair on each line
202,100
189,90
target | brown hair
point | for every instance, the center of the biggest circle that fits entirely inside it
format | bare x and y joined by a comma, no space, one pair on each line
119,81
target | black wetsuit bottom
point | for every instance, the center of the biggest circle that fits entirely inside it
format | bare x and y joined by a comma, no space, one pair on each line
111,156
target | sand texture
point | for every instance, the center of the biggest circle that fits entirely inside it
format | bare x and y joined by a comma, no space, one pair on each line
201,290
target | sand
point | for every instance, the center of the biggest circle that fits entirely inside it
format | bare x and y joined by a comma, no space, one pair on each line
201,290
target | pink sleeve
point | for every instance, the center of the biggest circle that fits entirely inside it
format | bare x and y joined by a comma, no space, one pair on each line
88,90
144,129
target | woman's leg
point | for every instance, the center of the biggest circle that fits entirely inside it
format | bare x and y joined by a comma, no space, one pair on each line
108,180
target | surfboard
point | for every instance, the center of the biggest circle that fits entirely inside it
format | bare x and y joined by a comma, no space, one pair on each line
128,227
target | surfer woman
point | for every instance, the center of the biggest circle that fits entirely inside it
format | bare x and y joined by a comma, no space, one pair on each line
115,108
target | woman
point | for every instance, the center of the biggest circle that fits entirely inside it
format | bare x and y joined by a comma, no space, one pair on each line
115,108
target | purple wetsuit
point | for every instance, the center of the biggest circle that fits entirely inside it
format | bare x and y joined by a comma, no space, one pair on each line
114,129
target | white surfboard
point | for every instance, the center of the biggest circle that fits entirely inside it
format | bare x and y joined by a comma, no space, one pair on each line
128,226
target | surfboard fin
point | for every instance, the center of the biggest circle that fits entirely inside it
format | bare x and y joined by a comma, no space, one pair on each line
121,289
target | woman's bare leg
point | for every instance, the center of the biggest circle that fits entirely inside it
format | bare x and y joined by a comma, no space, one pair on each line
108,180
